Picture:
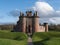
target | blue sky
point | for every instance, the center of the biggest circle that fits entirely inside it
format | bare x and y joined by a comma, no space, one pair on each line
6,6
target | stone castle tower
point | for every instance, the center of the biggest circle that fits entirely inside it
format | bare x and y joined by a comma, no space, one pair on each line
30,23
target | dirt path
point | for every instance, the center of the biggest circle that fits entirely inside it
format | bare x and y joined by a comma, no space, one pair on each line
30,41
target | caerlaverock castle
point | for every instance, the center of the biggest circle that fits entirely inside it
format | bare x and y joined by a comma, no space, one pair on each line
29,23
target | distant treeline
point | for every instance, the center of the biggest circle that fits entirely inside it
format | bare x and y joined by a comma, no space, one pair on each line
52,27
7,27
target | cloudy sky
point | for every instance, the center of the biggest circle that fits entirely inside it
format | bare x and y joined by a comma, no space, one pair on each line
48,10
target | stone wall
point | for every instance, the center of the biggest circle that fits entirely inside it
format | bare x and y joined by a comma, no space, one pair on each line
30,23
42,29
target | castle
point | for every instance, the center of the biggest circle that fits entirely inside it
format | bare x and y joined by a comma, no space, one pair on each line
29,23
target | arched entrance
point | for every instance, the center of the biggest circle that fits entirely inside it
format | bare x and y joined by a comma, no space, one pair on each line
29,29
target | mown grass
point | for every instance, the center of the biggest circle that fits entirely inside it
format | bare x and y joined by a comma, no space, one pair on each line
46,38
12,42
52,41
13,35
5,30
13,38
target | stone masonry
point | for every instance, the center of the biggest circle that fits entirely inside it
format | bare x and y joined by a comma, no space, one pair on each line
29,23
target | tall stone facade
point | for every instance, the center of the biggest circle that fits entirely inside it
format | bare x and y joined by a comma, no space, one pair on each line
29,23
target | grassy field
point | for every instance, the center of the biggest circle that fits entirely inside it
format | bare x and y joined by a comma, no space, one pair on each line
12,42
12,38
46,38
5,30
40,38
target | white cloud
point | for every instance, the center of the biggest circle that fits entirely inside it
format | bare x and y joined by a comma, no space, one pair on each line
55,20
58,12
46,12
43,8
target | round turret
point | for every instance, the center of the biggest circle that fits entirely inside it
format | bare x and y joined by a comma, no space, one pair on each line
35,14
21,14
35,21
46,27
29,13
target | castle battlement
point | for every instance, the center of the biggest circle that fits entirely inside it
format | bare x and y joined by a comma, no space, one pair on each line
29,23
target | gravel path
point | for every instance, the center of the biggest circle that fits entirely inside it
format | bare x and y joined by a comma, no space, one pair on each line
30,41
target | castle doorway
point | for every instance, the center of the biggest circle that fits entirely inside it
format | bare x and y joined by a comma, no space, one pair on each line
29,29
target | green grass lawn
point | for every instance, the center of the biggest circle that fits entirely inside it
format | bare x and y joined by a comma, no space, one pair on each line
40,38
13,38
12,42
46,38
52,41
5,30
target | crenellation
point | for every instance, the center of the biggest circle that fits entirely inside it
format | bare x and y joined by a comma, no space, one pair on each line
30,23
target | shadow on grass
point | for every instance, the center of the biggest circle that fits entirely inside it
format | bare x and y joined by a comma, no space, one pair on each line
18,38
41,42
